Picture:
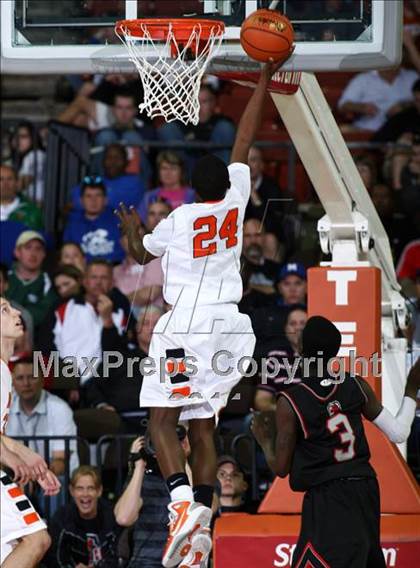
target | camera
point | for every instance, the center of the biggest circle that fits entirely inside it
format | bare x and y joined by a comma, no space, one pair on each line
148,452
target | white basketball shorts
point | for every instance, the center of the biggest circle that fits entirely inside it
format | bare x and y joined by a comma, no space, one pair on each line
199,355
18,517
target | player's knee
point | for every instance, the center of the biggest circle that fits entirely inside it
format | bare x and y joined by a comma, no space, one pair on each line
38,543
202,433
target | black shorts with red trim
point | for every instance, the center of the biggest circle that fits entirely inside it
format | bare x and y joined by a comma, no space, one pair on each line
340,526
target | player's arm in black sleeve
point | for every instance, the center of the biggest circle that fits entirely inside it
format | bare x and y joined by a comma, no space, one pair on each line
396,428
251,118
130,225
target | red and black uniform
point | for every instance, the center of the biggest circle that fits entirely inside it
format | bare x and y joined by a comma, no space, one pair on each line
341,508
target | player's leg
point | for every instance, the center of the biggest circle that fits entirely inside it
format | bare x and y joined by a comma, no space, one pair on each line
29,551
186,516
332,530
203,463
203,459
372,511
169,453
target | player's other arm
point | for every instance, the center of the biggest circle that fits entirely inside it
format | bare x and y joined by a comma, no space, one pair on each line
27,464
32,460
286,437
278,441
251,118
396,428
131,227
11,460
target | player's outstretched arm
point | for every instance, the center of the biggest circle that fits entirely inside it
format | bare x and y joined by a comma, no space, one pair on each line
36,464
22,473
251,118
27,465
130,225
396,428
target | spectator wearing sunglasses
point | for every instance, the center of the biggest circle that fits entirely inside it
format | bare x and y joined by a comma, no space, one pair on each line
121,187
95,227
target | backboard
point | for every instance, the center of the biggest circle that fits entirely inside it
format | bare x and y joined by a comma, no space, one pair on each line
77,36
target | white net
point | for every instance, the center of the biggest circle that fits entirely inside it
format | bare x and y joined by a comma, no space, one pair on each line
171,73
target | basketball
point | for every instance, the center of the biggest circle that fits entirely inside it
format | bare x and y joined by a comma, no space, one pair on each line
267,35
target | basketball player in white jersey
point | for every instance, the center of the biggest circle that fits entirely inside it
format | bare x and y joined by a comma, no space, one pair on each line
200,245
24,537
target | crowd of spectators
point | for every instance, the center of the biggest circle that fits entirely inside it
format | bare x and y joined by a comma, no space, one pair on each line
82,295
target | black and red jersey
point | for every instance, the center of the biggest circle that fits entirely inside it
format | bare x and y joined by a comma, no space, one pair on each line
332,442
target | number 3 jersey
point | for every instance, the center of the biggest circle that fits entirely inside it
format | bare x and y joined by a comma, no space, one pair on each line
331,442
200,245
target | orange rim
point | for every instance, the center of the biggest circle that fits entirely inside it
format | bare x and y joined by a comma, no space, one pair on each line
158,28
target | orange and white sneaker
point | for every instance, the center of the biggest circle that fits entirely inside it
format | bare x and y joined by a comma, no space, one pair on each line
185,519
200,550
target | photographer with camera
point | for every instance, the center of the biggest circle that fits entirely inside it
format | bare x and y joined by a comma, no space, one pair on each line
144,502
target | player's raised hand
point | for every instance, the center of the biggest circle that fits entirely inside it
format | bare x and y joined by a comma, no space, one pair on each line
271,67
130,222
50,484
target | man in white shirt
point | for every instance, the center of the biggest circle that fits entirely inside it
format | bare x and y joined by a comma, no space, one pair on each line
200,245
376,95
37,412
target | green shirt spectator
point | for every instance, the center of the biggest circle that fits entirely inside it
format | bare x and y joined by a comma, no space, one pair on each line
15,207
28,284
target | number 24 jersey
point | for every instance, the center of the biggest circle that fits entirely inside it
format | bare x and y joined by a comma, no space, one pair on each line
200,245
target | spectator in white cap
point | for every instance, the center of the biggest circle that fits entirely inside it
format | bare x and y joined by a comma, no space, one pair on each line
29,285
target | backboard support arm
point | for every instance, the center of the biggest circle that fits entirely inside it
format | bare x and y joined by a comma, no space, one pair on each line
351,229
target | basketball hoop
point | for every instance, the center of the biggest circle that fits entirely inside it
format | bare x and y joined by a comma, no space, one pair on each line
171,57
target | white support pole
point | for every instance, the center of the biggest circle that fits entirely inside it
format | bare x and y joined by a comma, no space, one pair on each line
331,169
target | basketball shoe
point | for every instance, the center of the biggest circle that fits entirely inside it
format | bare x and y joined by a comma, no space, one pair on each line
200,550
185,519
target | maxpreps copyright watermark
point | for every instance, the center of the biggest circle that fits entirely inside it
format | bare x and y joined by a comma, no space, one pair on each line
223,364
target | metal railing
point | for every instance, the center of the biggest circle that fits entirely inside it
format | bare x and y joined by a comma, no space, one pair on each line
111,453
118,446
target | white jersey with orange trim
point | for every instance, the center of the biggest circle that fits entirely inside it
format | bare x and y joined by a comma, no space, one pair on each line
6,394
200,245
